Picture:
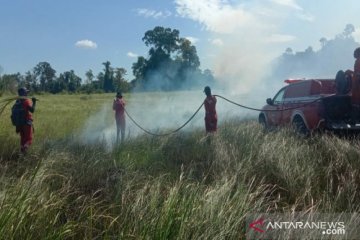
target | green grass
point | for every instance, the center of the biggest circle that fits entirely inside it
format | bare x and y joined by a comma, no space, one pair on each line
183,186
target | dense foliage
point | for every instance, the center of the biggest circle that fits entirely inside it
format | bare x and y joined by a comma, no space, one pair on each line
172,63
43,78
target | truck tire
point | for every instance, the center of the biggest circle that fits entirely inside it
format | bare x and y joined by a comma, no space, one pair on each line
262,122
300,126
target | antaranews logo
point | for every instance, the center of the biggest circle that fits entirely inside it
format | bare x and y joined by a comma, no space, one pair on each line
298,226
257,225
325,227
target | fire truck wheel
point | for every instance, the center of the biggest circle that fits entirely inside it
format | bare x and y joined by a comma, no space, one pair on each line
262,121
300,126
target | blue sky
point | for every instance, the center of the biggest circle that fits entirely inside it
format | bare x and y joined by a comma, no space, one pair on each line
232,36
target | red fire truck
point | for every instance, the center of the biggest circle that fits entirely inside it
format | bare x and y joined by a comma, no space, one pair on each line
310,105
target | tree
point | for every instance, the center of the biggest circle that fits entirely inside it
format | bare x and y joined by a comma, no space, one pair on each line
323,41
309,50
74,81
89,76
108,77
45,74
139,68
189,55
289,51
10,82
30,81
163,42
120,83
349,29
68,81
61,84
334,53
99,83
162,38
139,71
172,61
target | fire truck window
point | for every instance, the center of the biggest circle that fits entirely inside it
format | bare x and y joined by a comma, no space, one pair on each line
279,97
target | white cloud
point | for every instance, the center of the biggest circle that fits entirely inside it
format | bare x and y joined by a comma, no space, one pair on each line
280,38
217,42
149,13
306,17
356,34
288,3
215,15
193,40
223,16
88,44
132,55
301,13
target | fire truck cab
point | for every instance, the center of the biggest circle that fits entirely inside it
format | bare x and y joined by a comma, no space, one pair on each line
310,105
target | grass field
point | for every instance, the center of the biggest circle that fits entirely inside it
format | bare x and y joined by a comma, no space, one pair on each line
184,186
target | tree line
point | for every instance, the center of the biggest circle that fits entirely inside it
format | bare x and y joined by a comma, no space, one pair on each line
43,78
172,64
334,54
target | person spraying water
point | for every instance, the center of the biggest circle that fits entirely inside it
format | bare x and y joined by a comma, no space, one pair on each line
119,108
210,111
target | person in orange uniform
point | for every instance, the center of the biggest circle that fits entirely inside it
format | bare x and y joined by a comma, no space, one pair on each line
26,131
210,111
119,108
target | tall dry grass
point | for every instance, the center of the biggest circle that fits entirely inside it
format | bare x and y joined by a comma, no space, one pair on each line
184,186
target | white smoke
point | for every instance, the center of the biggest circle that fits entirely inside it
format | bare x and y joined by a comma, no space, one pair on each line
100,127
160,112
246,40
249,34
243,42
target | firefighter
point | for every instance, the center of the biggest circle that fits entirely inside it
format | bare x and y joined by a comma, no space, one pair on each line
210,111
26,128
119,108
